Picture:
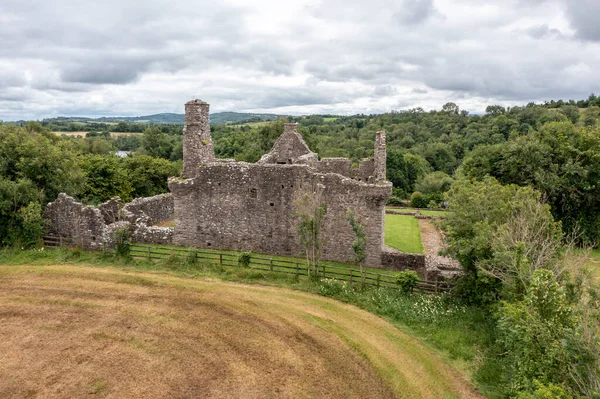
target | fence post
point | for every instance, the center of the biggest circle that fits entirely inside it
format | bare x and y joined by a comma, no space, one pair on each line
271,264
378,277
149,253
436,286
221,259
324,272
351,276
297,270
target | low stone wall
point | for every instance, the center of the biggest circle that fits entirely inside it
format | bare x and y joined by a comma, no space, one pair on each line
390,212
152,234
158,208
392,260
431,268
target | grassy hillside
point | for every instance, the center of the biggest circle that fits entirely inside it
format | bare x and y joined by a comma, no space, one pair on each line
88,331
218,118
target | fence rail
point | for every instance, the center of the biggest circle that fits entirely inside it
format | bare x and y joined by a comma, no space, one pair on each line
263,263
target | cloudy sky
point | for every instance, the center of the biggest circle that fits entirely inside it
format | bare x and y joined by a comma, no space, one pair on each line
124,57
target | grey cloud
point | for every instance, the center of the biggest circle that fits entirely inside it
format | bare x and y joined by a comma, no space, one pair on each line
543,31
329,56
583,16
101,73
415,11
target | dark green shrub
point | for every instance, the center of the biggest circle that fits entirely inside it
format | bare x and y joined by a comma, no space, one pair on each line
393,200
418,200
123,242
33,225
407,280
192,258
244,259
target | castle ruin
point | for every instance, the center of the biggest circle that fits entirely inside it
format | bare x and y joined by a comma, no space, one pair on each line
229,205
224,204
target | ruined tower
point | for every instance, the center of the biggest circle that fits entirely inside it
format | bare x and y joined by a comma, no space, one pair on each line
197,144
380,157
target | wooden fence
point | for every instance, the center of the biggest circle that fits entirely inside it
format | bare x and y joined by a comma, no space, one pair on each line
293,267
297,268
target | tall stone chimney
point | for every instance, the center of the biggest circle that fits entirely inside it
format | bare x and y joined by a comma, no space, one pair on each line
380,157
197,144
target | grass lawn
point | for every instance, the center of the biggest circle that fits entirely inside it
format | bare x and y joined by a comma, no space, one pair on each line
136,333
402,232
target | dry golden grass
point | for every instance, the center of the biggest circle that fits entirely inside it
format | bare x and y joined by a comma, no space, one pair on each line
72,331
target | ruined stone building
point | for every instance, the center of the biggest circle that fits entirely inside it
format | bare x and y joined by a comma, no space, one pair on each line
224,204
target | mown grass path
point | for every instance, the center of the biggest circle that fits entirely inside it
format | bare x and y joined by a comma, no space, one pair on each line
71,331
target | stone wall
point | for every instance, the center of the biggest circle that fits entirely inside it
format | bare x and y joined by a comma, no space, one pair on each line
290,148
158,209
431,268
252,207
197,143
343,166
83,225
93,227
395,260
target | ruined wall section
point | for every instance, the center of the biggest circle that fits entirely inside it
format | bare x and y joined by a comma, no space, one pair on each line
83,225
93,227
157,209
290,148
380,157
252,207
197,143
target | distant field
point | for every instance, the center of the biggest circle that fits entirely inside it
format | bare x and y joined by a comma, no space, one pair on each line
330,119
77,331
403,233
82,134
252,124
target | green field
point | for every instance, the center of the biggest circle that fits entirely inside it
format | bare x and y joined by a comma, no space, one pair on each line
402,232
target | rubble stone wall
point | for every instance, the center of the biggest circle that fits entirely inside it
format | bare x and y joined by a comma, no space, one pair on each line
93,227
158,208
83,225
253,207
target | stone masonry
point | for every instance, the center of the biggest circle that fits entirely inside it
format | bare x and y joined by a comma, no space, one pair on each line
253,207
197,144
93,227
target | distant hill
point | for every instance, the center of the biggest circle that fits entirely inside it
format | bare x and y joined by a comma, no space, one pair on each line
219,118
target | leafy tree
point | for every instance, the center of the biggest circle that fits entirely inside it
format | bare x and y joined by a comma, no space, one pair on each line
156,143
105,178
148,175
310,212
434,185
